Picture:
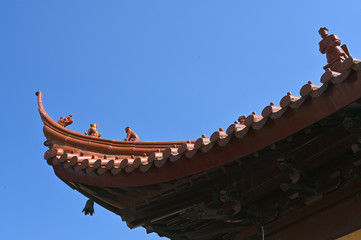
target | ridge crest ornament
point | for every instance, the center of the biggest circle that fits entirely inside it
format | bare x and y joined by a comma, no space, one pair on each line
336,54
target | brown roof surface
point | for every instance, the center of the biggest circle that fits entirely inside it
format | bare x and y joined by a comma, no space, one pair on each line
87,159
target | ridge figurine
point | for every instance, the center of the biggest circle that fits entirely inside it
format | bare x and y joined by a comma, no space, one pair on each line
66,121
93,130
131,136
330,45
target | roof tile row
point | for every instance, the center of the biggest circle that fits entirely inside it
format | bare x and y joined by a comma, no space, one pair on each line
117,164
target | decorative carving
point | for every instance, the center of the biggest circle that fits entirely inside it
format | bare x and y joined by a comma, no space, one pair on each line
131,136
89,207
225,206
93,130
353,126
330,45
286,167
301,185
65,121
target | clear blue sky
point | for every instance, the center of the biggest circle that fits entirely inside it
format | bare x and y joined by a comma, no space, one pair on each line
172,70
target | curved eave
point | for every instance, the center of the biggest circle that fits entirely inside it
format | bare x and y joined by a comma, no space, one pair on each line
275,124
57,134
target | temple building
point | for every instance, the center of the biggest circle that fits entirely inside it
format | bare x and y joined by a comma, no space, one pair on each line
292,172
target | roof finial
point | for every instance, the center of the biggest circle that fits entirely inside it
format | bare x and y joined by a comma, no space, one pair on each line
65,121
330,45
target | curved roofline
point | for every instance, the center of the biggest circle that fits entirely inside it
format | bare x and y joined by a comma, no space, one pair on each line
239,140
57,134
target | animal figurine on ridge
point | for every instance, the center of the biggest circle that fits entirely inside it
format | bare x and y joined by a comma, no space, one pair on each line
93,130
131,136
65,121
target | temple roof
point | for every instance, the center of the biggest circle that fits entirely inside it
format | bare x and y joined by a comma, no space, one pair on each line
127,162
267,171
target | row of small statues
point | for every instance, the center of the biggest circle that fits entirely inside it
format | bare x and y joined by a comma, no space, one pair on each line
93,130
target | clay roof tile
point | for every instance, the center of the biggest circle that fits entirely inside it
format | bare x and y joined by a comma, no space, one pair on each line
185,147
201,142
308,88
288,99
270,109
253,118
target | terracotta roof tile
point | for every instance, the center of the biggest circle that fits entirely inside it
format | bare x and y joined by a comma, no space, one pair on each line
145,167
66,156
136,162
159,162
185,147
278,114
56,160
251,119
218,135
90,169
156,156
116,170
270,109
240,133
175,158
201,142
144,161
107,164
47,155
103,169
319,91
77,167
55,151
340,78
129,168
259,124
328,75
123,163
224,140
190,153
308,88
67,164
170,152
235,127
288,99
207,147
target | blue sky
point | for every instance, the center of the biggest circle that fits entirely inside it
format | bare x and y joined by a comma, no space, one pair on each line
172,70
